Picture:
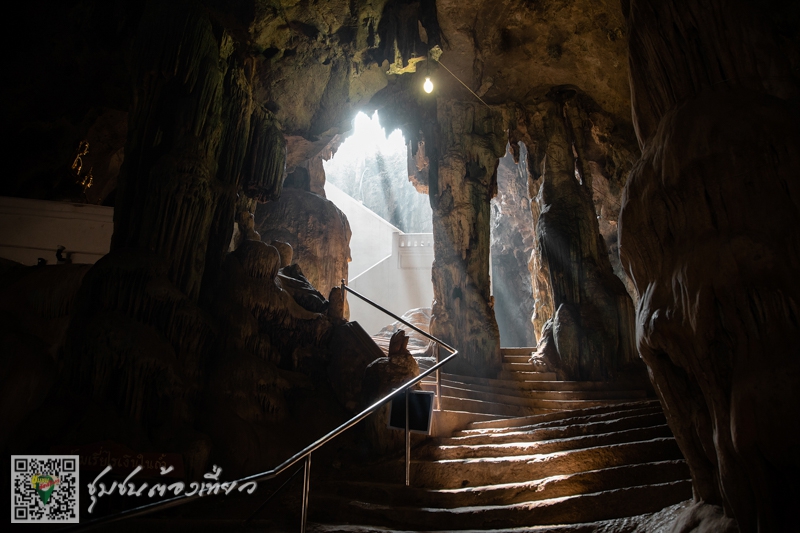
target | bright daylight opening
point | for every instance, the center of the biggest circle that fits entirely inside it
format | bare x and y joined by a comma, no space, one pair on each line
391,244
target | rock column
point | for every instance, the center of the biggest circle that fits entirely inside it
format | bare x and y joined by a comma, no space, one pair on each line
592,326
710,234
460,193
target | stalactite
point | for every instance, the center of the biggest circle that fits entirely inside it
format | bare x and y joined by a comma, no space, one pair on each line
399,34
129,292
237,110
165,199
265,163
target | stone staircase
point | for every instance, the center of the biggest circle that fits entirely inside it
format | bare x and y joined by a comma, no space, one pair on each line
521,453
537,452
522,390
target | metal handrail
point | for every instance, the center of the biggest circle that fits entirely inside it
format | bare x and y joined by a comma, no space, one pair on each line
415,328
305,453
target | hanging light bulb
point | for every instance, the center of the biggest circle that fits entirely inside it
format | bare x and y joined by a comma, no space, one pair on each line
428,85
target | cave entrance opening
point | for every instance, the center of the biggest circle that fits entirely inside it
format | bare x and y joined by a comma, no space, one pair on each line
512,241
391,246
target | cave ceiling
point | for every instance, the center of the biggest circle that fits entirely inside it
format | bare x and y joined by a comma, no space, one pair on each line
312,64
517,50
316,63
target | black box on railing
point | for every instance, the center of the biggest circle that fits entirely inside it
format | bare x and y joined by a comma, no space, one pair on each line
420,411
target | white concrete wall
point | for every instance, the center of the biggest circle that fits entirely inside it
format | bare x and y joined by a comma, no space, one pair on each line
398,283
30,229
372,235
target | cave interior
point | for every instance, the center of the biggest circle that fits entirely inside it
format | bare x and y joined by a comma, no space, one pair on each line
613,189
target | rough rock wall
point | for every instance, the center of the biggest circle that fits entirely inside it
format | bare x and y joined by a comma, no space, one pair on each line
35,308
513,237
580,307
168,309
593,321
464,185
317,231
709,235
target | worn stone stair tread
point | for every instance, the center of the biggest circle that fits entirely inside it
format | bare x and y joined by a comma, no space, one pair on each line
538,384
469,388
553,430
471,472
581,425
532,400
522,365
518,446
521,375
517,350
515,358
579,508
575,414
517,492
482,406
533,407
452,473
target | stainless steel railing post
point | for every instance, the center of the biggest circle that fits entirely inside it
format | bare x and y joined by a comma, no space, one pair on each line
408,447
438,381
306,489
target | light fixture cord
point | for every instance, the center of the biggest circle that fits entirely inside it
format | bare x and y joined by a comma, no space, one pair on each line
462,83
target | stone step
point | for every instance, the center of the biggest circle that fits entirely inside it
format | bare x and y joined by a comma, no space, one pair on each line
508,493
520,375
570,509
521,366
451,403
553,430
511,406
575,416
518,350
542,394
466,448
515,384
516,358
474,472
447,423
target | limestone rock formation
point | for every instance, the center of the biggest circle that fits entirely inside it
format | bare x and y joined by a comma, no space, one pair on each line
35,308
464,183
709,235
317,231
352,351
380,378
417,343
573,282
